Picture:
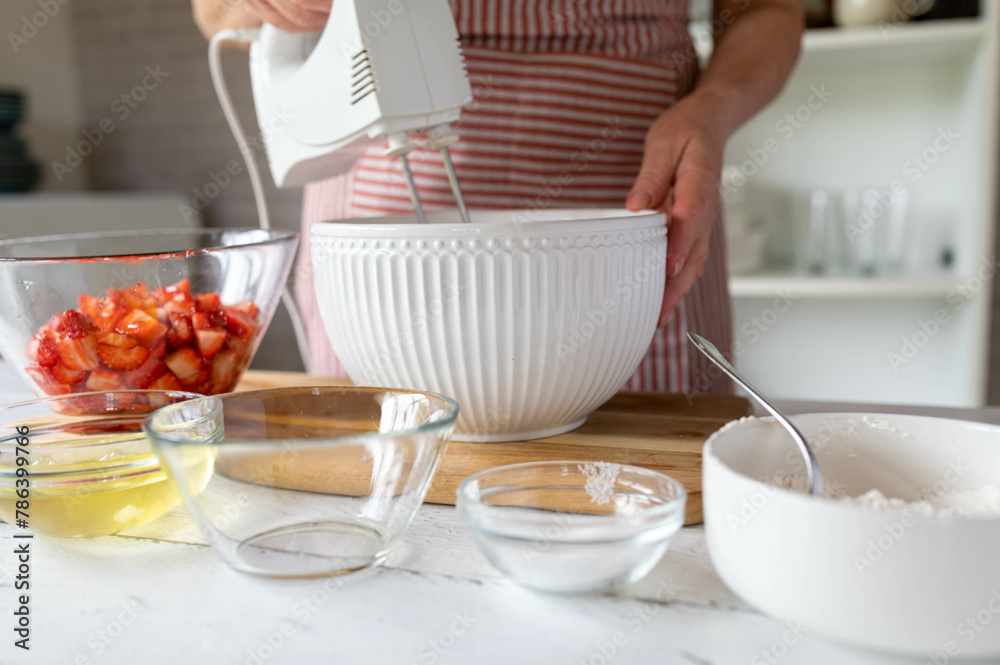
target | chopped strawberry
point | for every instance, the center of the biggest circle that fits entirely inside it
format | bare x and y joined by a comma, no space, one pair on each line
44,380
180,332
71,324
225,370
165,293
159,349
78,354
248,307
182,303
146,373
116,339
42,349
211,305
199,382
104,312
67,376
210,341
239,323
184,362
102,379
142,327
122,359
166,382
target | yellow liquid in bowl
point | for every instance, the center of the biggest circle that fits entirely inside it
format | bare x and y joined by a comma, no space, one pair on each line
85,505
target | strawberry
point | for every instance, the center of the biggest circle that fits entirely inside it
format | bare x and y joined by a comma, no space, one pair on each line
71,324
199,321
104,312
210,341
184,362
199,382
239,323
165,293
116,339
143,327
146,373
42,349
46,383
181,332
166,382
248,307
102,379
182,303
78,354
211,305
225,369
67,376
122,359
159,349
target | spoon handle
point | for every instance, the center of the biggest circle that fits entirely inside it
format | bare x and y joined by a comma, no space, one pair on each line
813,475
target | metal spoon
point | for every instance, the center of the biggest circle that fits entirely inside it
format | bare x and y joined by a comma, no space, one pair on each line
813,475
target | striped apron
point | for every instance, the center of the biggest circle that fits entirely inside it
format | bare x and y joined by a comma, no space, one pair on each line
549,78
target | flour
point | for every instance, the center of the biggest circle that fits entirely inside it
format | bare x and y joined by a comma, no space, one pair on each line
976,504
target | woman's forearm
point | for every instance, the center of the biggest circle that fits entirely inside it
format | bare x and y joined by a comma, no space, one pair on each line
755,52
211,16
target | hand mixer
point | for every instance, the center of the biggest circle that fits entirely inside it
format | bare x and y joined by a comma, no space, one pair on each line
378,72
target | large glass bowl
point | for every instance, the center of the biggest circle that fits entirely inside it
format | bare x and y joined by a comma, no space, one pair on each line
304,482
80,465
179,309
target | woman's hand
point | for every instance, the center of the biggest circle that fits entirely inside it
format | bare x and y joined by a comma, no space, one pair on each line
291,15
680,175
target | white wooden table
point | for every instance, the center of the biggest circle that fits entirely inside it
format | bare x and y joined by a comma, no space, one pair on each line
160,595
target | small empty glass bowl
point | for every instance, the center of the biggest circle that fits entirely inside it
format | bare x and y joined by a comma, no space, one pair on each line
304,482
80,465
572,527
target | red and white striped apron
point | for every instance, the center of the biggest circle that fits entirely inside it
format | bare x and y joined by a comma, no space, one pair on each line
548,78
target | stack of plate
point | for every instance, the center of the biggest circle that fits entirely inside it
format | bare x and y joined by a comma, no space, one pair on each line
18,172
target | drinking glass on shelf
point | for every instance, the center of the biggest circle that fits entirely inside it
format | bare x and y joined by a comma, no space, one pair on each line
874,227
816,222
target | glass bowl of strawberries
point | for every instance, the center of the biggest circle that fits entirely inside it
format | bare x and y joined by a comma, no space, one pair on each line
176,309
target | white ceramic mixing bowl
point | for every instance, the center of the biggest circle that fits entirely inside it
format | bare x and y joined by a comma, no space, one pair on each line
885,579
529,319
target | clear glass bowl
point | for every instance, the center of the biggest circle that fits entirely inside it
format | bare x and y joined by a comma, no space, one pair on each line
169,310
304,482
87,469
572,527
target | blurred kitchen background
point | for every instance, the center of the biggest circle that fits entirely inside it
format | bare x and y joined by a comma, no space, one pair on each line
860,206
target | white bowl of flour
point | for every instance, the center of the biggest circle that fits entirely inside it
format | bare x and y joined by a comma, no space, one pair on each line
903,552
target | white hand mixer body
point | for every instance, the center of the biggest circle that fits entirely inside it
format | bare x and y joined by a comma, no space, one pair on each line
378,72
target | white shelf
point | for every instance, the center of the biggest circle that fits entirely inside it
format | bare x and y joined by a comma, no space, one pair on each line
806,286
931,33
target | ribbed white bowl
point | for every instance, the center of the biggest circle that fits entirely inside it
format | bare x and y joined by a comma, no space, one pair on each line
530,320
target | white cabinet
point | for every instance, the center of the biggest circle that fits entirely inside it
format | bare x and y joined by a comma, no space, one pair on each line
915,103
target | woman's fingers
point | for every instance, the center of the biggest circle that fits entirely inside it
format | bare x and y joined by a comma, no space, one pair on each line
678,286
659,160
695,205
288,15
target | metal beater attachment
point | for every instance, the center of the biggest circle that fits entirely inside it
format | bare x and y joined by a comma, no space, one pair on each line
456,190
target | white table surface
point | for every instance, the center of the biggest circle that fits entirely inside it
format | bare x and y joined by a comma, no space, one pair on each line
160,595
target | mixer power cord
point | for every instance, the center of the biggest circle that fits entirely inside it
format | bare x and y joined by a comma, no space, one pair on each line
246,36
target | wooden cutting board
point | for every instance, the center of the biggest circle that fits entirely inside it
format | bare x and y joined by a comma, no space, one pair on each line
660,431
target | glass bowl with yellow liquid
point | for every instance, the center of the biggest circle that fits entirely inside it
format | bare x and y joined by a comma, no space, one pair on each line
79,465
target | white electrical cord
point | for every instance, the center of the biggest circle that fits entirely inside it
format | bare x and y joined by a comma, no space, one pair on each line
247,35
